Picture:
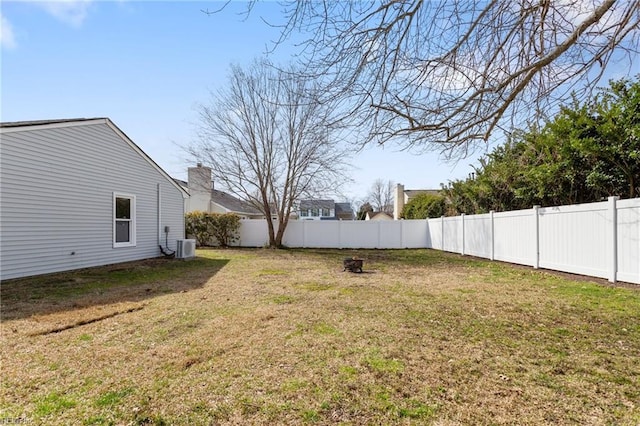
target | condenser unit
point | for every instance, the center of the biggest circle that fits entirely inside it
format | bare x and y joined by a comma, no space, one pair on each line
186,249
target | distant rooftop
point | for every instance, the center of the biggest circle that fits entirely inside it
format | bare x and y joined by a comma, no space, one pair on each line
316,204
232,203
226,200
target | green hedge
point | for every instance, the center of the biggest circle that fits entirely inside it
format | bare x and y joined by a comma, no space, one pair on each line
424,206
212,228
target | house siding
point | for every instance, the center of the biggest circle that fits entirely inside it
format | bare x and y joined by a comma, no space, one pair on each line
56,198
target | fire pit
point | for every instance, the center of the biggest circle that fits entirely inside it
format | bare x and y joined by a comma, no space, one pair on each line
352,265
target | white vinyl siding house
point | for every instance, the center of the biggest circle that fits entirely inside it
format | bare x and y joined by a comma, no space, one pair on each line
317,209
80,193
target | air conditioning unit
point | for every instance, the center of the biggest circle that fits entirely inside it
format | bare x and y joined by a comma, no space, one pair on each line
186,249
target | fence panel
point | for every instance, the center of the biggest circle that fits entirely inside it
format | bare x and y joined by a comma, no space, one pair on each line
253,233
452,240
477,235
359,234
415,234
294,235
514,237
321,234
628,244
434,234
390,234
576,238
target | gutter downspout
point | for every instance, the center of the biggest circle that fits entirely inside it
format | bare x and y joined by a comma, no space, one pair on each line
159,213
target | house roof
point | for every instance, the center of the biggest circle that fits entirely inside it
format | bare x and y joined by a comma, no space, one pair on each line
17,126
225,200
379,215
184,184
343,207
344,211
232,203
317,204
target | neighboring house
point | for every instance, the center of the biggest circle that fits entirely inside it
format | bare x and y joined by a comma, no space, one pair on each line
344,211
79,193
403,196
378,216
324,210
203,196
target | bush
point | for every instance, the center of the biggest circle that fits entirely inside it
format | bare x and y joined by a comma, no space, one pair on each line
424,206
197,225
225,228
211,228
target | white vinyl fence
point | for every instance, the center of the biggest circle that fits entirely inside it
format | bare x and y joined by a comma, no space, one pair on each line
340,234
597,239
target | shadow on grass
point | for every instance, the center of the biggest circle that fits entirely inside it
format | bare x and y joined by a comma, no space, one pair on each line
84,288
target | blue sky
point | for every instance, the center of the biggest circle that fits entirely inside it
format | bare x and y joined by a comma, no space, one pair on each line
146,65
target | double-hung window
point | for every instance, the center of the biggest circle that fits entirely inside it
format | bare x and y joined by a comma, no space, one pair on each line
124,220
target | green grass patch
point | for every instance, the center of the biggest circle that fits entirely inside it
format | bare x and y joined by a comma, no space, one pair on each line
348,372
315,286
380,364
85,338
53,403
324,328
283,299
111,398
417,410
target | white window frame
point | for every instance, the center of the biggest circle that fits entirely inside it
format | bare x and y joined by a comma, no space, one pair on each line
132,221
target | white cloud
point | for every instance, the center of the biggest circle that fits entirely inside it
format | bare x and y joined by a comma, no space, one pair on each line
7,39
72,12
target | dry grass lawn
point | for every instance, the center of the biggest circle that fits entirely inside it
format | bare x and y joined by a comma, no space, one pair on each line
286,337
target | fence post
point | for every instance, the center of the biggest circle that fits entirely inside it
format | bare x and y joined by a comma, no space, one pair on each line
462,245
493,237
536,255
442,234
339,233
613,242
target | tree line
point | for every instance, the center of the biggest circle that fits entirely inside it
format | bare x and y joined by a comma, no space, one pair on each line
587,152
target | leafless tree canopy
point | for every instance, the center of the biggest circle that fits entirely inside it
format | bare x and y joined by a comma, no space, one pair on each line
266,137
445,74
381,196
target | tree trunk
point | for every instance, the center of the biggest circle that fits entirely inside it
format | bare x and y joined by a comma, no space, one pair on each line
282,225
272,236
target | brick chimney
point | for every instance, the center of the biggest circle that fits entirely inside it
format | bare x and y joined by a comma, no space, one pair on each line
398,201
199,188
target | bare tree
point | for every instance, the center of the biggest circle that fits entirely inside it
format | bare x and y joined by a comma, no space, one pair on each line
267,139
381,196
444,74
